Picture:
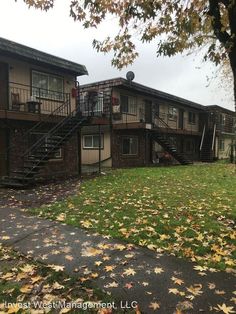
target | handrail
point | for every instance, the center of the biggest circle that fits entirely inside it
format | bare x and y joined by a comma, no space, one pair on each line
47,119
213,137
164,123
203,136
48,133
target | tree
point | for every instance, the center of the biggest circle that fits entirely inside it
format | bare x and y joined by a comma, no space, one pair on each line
176,26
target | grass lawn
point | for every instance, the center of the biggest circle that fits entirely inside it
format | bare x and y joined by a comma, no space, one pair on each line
188,211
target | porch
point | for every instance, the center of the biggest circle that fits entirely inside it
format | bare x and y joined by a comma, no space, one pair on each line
21,98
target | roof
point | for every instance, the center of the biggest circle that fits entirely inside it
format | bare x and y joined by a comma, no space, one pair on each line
116,82
11,48
225,110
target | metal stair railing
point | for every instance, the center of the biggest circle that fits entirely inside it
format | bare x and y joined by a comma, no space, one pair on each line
49,118
156,116
49,133
52,132
165,135
56,146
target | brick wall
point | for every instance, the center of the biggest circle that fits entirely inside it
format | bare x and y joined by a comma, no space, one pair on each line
65,167
143,156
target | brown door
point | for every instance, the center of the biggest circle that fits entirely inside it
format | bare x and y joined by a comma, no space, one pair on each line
3,152
181,119
148,111
3,85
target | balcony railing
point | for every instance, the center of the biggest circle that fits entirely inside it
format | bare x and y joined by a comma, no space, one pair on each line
25,98
175,124
160,120
94,104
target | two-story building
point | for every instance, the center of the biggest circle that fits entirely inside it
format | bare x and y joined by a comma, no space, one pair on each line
49,126
221,123
149,126
38,103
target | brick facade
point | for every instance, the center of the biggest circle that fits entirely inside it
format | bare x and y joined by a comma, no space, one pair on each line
143,157
65,167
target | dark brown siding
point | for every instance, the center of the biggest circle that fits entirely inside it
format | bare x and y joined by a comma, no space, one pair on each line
3,152
3,85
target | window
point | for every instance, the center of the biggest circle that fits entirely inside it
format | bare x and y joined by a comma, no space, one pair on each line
128,104
222,119
222,145
34,137
92,141
191,117
130,146
47,86
172,113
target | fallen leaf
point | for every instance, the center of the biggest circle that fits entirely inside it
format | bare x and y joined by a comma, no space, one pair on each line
154,306
57,267
129,272
177,281
158,270
225,309
26,288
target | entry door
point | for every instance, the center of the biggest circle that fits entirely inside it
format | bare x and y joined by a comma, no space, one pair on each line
3,85
3,152
181,119
148,111
156,110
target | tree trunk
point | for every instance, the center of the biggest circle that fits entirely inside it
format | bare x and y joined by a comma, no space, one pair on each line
234,77
232,54
232,58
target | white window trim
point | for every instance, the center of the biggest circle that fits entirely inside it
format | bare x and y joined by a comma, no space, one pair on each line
129,137
223,119
60,157
48,91
220,146
192,113
130,104
93,147
172,116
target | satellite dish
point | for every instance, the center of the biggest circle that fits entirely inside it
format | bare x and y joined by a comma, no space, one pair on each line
130,76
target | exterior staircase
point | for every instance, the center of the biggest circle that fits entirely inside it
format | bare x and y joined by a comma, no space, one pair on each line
171,149
37,155
206,149
162,139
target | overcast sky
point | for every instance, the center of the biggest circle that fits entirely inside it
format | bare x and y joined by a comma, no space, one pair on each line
56,33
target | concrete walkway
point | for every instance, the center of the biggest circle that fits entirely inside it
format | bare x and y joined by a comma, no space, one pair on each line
157,282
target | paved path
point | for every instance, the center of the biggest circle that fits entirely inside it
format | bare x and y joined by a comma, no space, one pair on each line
159,283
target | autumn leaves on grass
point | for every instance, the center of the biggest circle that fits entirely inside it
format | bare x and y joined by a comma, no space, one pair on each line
188,211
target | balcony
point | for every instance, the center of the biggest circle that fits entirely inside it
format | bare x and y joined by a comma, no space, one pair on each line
94,104
140,116
165,121
27,99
